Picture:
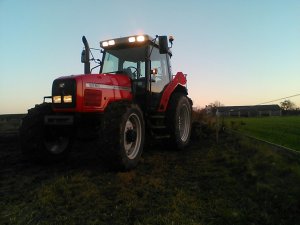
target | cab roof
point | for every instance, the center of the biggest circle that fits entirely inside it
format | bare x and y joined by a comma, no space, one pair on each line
130,41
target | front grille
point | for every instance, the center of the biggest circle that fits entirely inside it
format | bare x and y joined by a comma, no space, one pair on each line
64,87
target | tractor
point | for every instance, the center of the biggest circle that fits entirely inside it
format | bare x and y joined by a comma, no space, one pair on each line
134,95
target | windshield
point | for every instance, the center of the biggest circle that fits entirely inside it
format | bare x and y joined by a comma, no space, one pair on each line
130,61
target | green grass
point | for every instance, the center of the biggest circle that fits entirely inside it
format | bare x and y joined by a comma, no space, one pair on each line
283,130
234,182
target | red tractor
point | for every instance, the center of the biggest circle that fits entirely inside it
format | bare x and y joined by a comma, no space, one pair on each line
133,94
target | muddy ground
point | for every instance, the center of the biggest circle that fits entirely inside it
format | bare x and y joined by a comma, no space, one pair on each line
232,182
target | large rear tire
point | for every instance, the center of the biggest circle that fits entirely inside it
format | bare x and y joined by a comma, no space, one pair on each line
41,143
179,120
123,135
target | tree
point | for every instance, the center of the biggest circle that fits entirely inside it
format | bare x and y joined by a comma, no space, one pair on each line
216,104
212,107
287,105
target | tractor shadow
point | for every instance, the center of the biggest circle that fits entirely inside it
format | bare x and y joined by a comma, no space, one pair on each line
83,157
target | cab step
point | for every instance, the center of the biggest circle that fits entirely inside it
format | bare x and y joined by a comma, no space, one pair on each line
158,126
159,137
157,116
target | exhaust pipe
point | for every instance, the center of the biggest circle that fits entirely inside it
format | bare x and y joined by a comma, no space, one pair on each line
85,56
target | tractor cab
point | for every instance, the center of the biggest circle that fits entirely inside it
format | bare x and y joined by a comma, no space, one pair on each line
145,60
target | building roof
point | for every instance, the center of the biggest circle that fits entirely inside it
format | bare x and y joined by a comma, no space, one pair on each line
256,108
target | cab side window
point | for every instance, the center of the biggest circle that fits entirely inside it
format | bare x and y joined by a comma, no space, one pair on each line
137,69
162,78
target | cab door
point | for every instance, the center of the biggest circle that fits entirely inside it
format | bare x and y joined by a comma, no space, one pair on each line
137,69
158,81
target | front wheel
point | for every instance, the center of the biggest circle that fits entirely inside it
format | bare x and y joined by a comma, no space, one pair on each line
41,143
179,120
123,135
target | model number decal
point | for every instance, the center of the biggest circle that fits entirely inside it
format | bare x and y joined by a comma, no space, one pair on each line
104,86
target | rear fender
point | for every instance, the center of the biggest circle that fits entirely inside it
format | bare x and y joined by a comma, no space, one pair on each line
178,84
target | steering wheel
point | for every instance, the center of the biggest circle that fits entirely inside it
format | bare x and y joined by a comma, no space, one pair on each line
135,71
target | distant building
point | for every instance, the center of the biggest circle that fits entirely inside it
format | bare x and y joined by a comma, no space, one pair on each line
249,111
11,117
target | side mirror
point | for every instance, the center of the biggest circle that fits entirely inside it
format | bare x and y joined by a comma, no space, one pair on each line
83,56
163,44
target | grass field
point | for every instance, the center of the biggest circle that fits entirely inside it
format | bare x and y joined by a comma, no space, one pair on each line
284,130
233,182
10,123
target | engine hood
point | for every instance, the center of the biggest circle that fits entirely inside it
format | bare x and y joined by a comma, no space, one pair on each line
105,79
92,92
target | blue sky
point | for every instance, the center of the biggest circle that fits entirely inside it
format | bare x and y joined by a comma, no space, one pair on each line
235,51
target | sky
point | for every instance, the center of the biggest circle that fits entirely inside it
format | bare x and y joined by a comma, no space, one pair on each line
237,52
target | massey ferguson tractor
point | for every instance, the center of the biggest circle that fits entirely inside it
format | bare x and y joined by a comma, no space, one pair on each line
134,94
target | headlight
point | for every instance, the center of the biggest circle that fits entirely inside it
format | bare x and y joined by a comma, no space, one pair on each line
68,99
56,99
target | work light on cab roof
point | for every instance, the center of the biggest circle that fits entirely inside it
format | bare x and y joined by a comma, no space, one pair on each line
138,40
125,41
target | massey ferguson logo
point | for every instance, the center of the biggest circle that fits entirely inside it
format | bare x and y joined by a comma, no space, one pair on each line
61,85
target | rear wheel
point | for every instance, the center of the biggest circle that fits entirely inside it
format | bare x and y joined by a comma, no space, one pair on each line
123,135
179,120
40,142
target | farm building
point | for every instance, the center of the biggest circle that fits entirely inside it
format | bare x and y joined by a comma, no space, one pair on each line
11,117
248,111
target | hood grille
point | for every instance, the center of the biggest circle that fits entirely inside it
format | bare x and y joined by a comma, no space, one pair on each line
64,87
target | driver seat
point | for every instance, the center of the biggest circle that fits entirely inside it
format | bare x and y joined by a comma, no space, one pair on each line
128,72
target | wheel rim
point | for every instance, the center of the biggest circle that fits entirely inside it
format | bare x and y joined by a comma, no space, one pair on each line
132,136
184,123
57,145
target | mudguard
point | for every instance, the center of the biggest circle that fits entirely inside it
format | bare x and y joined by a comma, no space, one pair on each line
178,80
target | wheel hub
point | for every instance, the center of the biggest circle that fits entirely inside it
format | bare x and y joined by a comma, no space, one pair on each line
57,145
131,135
